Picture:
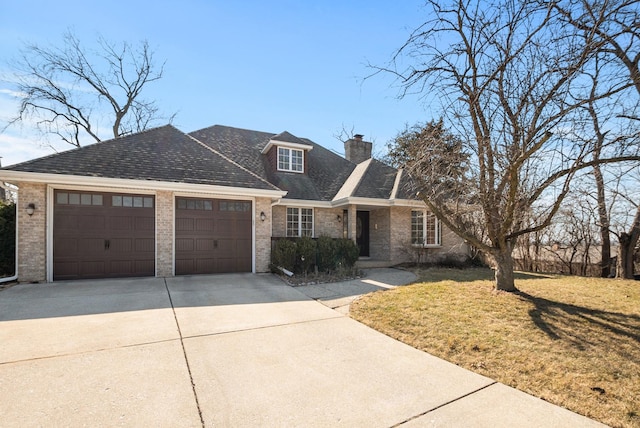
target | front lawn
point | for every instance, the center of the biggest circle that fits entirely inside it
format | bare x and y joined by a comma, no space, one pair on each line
572,341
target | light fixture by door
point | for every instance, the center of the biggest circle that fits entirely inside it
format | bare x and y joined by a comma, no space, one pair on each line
31,209
263,216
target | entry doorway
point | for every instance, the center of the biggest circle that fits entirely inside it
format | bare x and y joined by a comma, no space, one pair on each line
362,232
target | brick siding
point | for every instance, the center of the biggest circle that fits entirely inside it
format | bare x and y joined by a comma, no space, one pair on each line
32,238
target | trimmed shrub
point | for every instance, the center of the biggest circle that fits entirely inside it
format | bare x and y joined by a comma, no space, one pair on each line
7,239
327,254
305,254
347,252
284,254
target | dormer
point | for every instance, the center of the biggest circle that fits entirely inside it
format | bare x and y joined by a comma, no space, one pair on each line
287,153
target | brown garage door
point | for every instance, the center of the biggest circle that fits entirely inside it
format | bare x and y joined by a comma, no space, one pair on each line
212,236
103,235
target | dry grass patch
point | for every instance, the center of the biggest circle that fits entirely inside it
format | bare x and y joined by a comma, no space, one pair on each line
572,341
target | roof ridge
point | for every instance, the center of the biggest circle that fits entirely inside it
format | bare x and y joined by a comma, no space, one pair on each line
211,149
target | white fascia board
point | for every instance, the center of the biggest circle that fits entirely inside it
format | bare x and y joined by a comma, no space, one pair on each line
74,180
377,202
298,146
304,203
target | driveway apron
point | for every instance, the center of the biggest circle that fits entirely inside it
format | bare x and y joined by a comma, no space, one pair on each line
227,350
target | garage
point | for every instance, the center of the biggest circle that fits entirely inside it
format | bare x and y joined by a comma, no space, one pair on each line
103,235
213,236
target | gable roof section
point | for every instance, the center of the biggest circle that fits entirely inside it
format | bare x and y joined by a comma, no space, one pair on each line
326,171
160,154
377,182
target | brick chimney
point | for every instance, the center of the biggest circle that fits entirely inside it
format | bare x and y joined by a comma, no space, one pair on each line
356,149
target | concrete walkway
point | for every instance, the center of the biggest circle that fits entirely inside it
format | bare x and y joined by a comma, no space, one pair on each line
230,350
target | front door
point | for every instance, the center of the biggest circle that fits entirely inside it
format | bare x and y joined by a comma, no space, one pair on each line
362,232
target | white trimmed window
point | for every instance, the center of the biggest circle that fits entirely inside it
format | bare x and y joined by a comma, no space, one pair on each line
300,222
425,229
290,159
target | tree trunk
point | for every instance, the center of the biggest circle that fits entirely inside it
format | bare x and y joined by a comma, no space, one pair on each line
503,259
627,248
603,217
624,268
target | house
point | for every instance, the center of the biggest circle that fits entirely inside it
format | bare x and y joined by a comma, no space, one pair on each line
163,203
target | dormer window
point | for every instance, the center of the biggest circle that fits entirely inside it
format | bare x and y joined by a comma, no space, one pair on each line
286,152
290,159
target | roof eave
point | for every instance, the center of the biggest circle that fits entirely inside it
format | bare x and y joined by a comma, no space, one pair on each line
15,177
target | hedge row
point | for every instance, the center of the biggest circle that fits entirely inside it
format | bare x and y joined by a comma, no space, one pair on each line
302,255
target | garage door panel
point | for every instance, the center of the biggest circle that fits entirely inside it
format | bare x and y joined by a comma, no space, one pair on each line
67,269
220,240
121,245
184,224
90,246
67,222
120,223
93,222
145,223
204,225
184,244
145,245
205,245
66,245
92,269
102,235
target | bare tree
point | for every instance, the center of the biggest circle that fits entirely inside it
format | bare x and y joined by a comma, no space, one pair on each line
65,89
507,80
615,25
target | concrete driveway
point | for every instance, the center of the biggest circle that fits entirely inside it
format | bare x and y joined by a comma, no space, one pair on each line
229,350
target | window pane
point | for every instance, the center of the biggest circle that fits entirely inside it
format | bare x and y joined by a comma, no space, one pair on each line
85,199
292,222
431,229
417,227
127,201
191,204
200,205
182,204
74,199
116,201
306,221
148,202
296,160
283,159
137,201
96,199
62,198
208,205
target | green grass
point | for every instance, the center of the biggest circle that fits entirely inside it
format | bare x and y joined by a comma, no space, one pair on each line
572,341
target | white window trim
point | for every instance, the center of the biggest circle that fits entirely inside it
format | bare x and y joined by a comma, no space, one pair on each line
438,243
290,159
299,235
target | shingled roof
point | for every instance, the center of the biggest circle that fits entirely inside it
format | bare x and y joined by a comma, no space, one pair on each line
223,156
327,170
159,154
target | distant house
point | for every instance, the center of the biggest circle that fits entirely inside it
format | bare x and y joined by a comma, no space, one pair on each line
164,203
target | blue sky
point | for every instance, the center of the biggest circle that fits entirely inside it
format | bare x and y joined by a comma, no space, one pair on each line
264,65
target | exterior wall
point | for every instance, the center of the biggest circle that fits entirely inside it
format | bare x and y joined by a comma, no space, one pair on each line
32,243
379,234
402,250
325,222
164,233
279,221
263,234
